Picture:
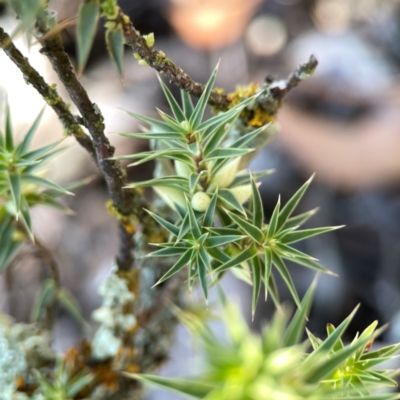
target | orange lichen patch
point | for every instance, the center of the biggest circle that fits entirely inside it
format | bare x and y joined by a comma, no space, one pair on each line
106,376
128,221
20,383
132,279
130,228
72,355
23,387
78,356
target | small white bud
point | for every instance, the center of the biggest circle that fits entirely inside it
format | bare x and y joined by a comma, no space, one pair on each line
143,63
200,201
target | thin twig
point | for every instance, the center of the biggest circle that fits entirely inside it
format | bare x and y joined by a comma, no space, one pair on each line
303,71
157,60
127,202
52,264
48,92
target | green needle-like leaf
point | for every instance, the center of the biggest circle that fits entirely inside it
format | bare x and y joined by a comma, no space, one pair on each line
296,236
384,351
251,230
329,366
164,223
214,138
217,241
43,299
229,200
223,118
295,329
257,205
41,153
26,218
168,252
167,136
299,220
37,180
227,153
202,269
159,125
368,332
88,16
180,264
197,115
272,226
267,269
5,243
193,388
69,302
15,188
290,252
9,139
115,46
309,263
256,278
193,182
291,205
23,147
173,124
187,104
183,229
240,258
246,139
328,345
176,109
196,231
339,344
244,179
209,214
281,267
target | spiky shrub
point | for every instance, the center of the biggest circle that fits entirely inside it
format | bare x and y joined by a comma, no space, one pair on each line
208,219
209,188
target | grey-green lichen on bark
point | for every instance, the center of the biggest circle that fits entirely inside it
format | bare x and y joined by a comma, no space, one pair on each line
23,347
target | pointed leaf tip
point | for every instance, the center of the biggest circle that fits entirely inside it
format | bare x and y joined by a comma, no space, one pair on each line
88,16
115,46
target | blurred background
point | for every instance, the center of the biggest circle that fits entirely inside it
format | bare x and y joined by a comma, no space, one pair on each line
343,124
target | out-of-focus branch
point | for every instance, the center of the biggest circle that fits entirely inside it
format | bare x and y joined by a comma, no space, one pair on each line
275,90
48,92
280,88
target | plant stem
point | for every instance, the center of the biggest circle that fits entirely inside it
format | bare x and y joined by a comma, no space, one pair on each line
165,66
157,60
48,92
